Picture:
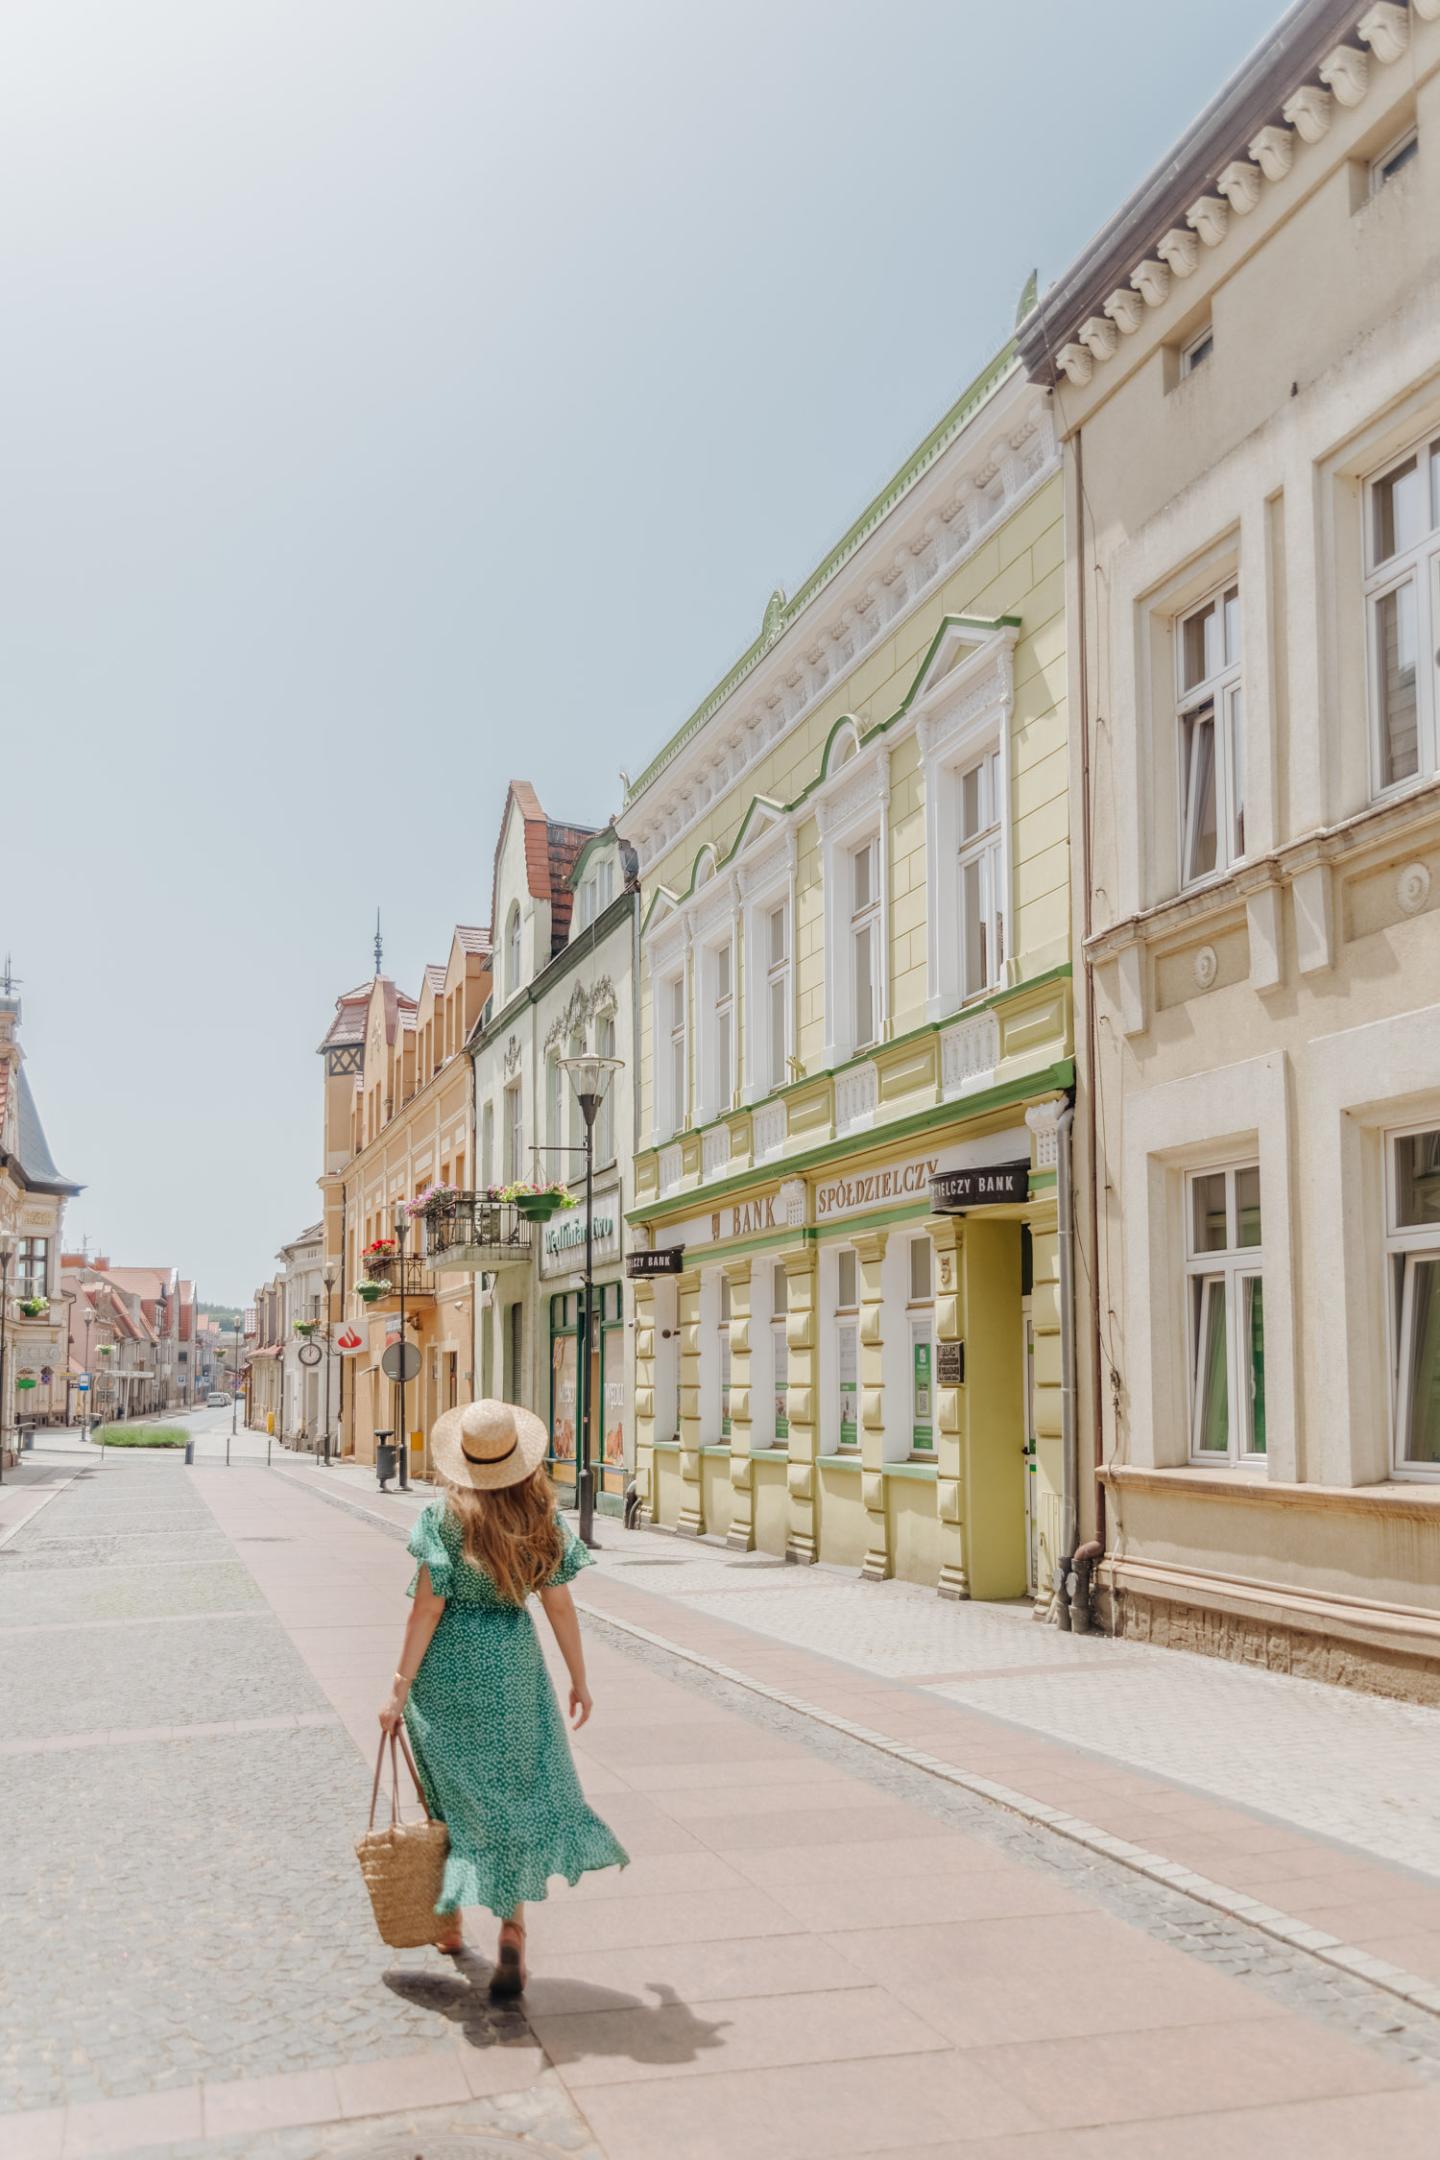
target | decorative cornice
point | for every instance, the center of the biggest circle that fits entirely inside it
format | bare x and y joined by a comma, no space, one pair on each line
1242,144
802,662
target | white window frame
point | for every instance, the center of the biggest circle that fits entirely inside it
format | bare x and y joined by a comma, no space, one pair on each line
779,1355
853,814
1417,566
672,1091
1383,168
724,1359
767,887
845,1322
1223,1275
1406,1246
865,932
969,718
555,1111
718,1014
1197,350
514,1132
512,950
605,1040
1222,691
920,1325
985,850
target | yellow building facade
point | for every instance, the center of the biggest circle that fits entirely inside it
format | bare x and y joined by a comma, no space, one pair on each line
398,1120
856,1044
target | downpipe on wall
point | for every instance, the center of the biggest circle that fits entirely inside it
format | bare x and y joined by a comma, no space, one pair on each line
1071,1607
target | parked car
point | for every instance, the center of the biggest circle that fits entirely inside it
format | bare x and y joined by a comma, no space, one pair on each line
217,1401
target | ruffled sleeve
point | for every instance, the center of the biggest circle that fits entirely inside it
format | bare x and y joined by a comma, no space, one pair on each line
430,1550
572,1559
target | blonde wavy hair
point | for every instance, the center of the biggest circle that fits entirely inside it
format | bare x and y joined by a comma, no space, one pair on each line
511,1533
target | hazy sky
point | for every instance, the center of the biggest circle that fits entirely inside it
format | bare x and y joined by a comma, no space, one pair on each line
395,397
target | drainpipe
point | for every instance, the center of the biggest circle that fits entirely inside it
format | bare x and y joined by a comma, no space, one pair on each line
1069,1435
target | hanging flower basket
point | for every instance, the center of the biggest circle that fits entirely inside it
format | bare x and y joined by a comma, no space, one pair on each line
436,1203
34,1308
537,1203
369,1291
306,1328
107,1349
383,1248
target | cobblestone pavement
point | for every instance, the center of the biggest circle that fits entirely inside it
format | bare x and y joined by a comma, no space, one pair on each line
1340,1764
183,1906
816,1950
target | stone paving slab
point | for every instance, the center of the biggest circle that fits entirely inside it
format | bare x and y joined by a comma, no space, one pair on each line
123,1589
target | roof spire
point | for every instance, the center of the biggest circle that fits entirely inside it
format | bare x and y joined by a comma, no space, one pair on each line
379,943
9,980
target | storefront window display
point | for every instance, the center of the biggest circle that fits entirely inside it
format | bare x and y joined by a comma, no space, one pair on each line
607,1378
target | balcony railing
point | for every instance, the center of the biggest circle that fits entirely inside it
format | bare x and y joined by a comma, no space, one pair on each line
409,1273
473,1232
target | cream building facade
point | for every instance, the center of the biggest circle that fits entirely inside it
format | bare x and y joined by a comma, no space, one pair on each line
565,911
398,1120
1246,371
856,1043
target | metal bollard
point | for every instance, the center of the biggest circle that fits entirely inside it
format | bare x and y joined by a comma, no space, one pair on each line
189,1451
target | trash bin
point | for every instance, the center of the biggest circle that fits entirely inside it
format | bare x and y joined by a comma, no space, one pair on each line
27,1436
386,1456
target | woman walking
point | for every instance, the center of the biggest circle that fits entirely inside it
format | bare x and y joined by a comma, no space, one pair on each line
471,1685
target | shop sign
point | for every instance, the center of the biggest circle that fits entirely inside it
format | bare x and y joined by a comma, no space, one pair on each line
990,1186
667,1260
896,1182
563,1248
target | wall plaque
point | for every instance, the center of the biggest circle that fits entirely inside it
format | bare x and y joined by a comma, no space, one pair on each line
950,1364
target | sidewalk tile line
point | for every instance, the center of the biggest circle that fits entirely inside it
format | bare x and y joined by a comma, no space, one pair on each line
48,1493
140,1735
164,1619
1266,1920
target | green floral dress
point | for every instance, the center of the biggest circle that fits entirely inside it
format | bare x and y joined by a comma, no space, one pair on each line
489,1740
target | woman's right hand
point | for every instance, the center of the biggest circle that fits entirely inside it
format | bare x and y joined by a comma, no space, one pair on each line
392,1714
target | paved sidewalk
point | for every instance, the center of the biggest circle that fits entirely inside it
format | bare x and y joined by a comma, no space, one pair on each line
818,1948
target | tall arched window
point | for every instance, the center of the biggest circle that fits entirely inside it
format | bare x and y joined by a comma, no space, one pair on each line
512,950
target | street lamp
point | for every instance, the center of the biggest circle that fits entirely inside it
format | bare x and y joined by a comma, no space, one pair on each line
7,1254
402,1460
329,1354
590,1077
235,1381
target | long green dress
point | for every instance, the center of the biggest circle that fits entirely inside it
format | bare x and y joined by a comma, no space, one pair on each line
489,1740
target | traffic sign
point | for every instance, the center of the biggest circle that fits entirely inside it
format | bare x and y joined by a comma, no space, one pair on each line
401,1361
83,1382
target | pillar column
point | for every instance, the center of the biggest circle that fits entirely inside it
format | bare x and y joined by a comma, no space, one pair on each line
870,1262
741,1534
691,1521
1047,1475
643,1296
947,1235
802,1540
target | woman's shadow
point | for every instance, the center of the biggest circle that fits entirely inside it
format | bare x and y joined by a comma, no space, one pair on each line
586,2021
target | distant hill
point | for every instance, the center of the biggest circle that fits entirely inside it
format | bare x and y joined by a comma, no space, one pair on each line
229,1316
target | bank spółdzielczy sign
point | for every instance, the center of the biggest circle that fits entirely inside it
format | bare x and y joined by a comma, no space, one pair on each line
668,1260
990,1186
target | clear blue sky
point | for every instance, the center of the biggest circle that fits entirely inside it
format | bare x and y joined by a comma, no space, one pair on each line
400,394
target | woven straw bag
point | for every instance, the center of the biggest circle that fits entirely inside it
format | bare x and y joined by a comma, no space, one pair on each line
403,1863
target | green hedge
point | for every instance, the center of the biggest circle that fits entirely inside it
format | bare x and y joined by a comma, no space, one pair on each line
141,1436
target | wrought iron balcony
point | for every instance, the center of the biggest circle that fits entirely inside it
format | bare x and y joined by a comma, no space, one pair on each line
409,1273
473,1232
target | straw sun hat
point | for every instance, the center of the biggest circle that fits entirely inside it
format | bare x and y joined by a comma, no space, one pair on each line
487,1444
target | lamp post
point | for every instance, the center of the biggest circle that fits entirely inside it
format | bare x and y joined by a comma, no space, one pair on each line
590,1077
329,1356
7,1254
89,1373
235,1383
402,1459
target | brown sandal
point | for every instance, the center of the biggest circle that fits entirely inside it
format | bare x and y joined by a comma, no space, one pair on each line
453,1942
508,1979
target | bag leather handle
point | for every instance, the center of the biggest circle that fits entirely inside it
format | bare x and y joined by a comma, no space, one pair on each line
397,1739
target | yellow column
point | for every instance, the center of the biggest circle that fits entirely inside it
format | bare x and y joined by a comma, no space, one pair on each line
691,1520
741,1534
803,1537
947,1235
644,1301
870,1259
1047,1475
